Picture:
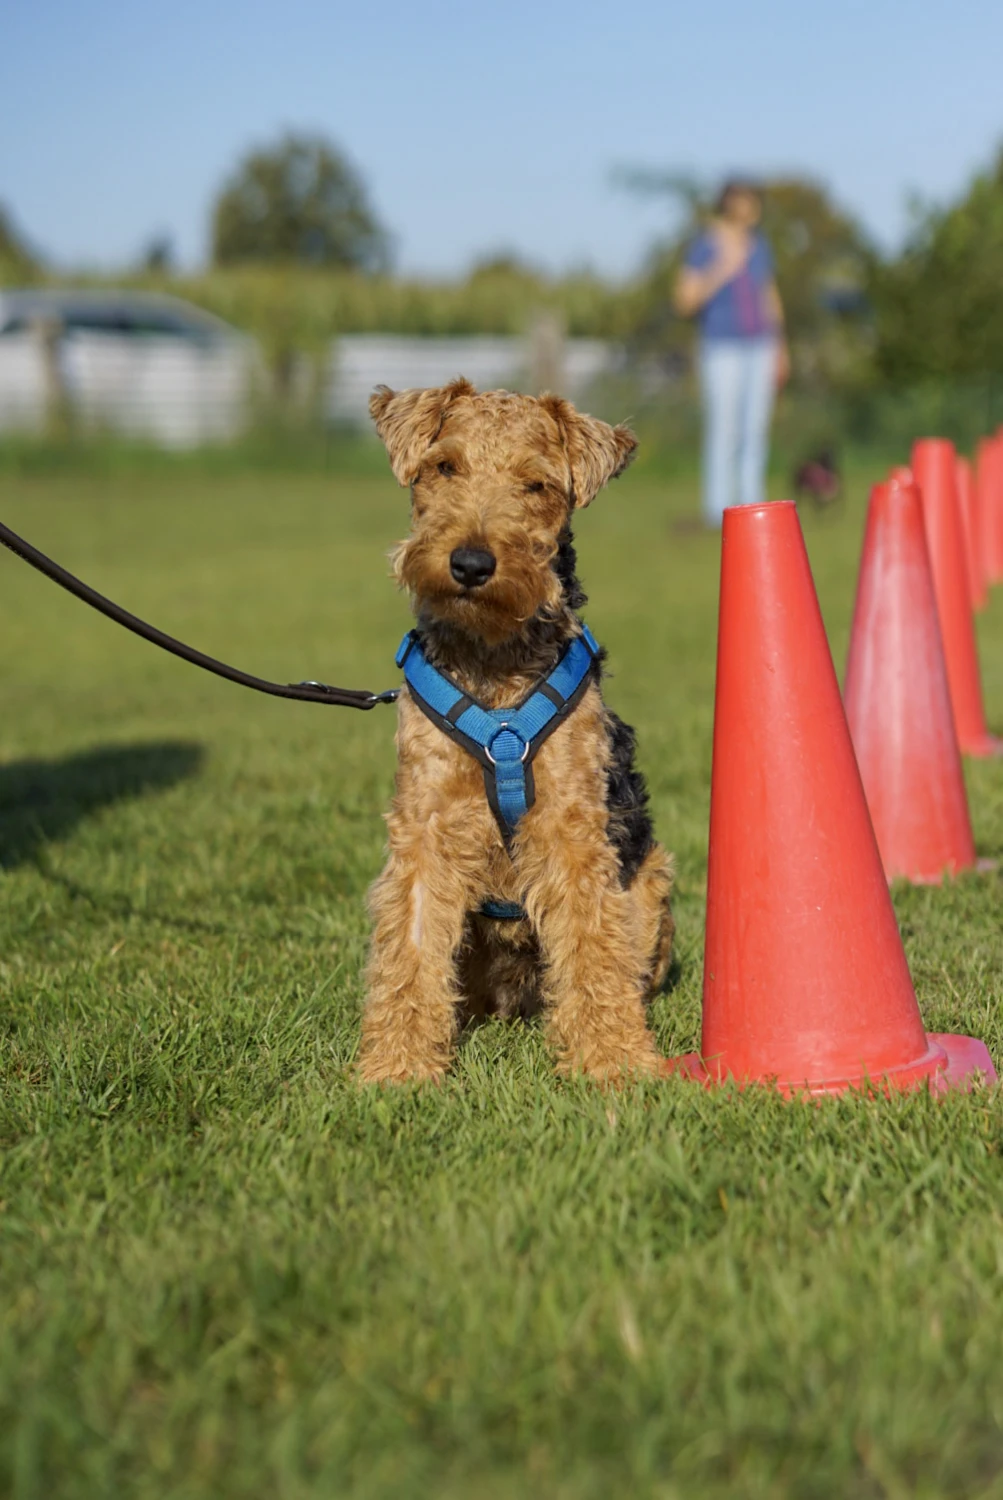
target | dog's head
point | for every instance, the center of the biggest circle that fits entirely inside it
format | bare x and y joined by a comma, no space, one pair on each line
494,478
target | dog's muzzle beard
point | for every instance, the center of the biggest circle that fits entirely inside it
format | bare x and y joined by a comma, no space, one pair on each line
483,614
494,613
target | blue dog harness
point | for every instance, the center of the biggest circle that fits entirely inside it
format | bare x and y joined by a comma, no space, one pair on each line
504,740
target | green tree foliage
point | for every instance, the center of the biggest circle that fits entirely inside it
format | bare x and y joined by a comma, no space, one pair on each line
297,203
157,255
17,262
822,261
939,305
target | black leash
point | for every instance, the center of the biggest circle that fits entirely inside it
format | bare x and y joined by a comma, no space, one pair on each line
306,692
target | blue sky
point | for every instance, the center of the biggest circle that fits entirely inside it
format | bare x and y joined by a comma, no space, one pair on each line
483,126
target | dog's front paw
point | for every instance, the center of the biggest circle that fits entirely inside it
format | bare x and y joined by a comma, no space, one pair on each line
390,1056
405,1039
375,1070
614,1070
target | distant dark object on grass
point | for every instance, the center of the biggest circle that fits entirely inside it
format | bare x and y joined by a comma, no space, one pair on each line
817,479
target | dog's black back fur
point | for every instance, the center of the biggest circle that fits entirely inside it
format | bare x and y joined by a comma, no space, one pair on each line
630,827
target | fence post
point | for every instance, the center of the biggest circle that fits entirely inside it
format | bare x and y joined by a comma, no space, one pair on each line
48,333
546,354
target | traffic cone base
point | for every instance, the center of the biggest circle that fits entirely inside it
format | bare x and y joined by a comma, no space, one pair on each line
966,1056
950,1062
982,747
980,867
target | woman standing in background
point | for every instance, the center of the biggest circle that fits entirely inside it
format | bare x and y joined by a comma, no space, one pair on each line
727,282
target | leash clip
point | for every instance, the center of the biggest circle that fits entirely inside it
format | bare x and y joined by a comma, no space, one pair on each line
368,700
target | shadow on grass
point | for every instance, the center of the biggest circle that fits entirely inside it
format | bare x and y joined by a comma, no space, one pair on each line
44,800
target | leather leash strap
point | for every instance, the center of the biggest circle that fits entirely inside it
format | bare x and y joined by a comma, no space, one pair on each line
304,692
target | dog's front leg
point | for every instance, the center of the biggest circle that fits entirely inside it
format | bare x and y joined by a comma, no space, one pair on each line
418,906
594,974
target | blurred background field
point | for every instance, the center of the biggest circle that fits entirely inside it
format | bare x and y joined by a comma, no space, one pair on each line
299,316
225,1271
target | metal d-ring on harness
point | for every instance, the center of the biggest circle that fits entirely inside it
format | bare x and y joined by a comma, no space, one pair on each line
503,740
305,692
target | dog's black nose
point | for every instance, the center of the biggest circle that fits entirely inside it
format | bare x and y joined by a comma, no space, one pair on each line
471,566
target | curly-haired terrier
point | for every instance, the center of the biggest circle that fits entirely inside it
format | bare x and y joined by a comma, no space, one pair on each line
522,872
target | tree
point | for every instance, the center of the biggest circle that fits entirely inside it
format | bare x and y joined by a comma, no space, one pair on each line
17,261
157,255
939,305
299,202
821,254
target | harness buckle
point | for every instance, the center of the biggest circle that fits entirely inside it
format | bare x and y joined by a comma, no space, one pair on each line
500,730
404,649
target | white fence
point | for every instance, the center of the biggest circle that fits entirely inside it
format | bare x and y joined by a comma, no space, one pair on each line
169,391
181,393
362,361
24,383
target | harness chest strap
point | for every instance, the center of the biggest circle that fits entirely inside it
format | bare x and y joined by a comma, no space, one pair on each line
503,740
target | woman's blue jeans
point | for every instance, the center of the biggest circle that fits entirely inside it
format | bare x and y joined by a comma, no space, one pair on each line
738,381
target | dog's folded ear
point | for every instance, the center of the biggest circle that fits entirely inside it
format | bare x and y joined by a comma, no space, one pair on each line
408,422
596,451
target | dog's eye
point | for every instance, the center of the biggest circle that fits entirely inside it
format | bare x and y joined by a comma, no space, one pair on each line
535,487
446,469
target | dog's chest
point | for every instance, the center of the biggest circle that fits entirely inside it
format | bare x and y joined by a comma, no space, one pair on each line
437,777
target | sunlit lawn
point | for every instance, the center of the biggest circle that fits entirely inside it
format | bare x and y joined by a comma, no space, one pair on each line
226,1272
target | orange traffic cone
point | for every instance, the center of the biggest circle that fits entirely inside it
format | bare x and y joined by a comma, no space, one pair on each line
935,470
989,496
898,705
967,504
805,981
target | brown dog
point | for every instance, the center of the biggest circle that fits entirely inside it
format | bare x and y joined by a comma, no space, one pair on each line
563,905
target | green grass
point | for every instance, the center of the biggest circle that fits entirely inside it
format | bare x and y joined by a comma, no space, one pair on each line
225,1272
